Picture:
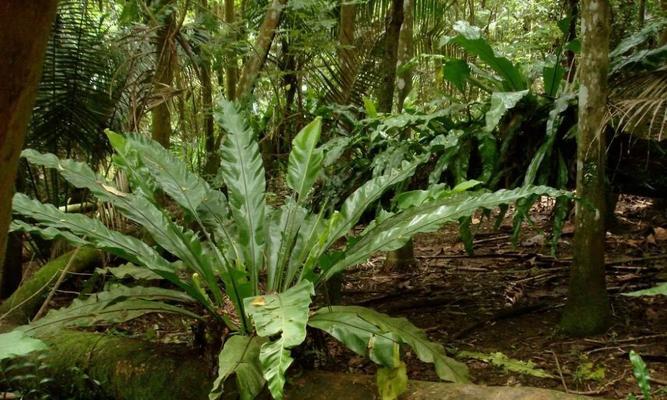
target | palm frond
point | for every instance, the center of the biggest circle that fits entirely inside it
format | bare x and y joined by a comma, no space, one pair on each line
639,105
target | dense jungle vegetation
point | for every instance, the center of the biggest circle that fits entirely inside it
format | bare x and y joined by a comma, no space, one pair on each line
318,199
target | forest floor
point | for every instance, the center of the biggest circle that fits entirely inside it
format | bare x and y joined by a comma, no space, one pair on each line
508,299
504,301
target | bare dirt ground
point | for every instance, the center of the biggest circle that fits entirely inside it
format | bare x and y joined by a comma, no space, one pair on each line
508,299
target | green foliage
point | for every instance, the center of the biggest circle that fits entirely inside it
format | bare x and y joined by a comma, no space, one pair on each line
661,289
470,38
392,382
359,329
237,241
588,371
510,364
501,102
640,372
284,314
240,356
17,343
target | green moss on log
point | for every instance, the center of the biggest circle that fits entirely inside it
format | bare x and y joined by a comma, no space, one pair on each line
32,293
130,369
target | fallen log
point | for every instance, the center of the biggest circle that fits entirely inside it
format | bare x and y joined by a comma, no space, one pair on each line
22,305
130,369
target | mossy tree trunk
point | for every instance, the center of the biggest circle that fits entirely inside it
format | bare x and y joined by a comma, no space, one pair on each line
405,53
165,58
390,59
24,33
260,50
210,143
573,15
398,42
587,310
346,51
663,36
231,69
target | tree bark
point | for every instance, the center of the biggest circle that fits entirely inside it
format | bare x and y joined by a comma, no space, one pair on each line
12,268
573,15
210,144
402,259
663,36
232,70
24,34
405,53
260,50
388,67
346,51
587,310
165,49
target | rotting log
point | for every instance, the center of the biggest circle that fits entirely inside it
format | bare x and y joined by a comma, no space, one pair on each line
32,292
134,369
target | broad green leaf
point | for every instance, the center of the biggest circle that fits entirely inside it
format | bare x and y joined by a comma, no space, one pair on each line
501,102
552,76
358,335
640,372
396,230
354,206
184,244
284,314
334,148
114,305
129,270
354,326
240,356
94,232
171,174
311,231
654,291
17,343
470,39
305,159
456,72
510,364
369,107
553,123
243,173
633,41
392,382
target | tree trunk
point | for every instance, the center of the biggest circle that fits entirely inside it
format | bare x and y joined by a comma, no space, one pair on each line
12,270
164,76
402,259
573,15
388,67
346,51
212,158
641,13
260,50
24,34
232,70
405,53
663,36
587,310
